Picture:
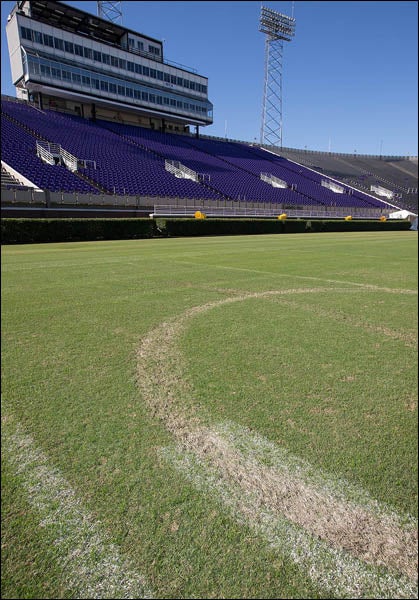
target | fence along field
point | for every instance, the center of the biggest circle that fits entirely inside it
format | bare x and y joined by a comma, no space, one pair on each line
221,417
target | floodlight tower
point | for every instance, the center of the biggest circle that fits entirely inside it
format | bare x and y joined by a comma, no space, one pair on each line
111,11
277,29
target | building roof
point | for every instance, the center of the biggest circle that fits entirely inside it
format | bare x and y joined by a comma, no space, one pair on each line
59,14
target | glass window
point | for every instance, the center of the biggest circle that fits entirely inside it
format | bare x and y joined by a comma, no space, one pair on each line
37,37
160,75
122,63
45,70
137,94
76,78
167,77
129,92
121,90
130,66
66,75
106,59
112,88
144,96
87,52
173,79
69,47
103,85
78,50
48,40
140,45
97,56
114,61
192,85
26,33
153,73
138,69
159,100
152,97
58,44
96,83
166,100
146,71
172,102
85,80
179,81
56,73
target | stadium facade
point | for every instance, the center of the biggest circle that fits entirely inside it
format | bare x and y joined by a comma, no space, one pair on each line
66,59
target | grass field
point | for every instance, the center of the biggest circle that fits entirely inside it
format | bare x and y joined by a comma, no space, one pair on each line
224,417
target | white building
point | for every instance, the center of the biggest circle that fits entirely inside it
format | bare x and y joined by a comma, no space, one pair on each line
65,58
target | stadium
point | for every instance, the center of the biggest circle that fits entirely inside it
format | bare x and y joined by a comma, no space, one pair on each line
189,409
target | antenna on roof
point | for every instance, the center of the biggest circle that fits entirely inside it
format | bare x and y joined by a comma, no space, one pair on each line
111,11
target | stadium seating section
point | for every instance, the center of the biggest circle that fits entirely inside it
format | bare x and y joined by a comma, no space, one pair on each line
131,160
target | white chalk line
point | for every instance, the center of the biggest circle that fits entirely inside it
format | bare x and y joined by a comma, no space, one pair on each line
307,277
158,355
334,571
91,564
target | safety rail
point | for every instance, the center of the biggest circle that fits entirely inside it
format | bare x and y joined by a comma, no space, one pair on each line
273,181
338,212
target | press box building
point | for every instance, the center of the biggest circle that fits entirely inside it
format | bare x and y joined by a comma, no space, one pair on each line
64,58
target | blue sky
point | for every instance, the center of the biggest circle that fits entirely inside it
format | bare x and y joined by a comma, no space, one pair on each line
350,75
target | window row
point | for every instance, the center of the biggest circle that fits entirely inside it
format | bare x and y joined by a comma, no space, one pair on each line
109,59
102,83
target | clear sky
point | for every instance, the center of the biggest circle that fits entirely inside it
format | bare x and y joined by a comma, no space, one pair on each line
350,75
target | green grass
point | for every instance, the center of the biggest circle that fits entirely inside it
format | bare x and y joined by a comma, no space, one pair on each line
328,375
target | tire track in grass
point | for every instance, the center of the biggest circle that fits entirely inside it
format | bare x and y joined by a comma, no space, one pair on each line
361,546
92,565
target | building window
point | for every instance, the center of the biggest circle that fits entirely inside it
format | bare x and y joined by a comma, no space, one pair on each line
78,50
26,33
87,53
76,78
106,59
121,90
97,56
103,85
85,80
112,88
130,66
38,37
69,47
122,63
45,70
58,44
48,40
146,71
138,69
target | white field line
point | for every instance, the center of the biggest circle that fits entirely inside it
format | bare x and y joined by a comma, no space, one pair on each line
307,277
334,571
92,565
409,337
376,536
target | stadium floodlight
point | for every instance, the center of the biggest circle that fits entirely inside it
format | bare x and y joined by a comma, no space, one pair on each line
111,11
277,29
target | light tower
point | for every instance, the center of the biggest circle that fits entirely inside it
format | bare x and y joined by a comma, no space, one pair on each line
110,11
277,29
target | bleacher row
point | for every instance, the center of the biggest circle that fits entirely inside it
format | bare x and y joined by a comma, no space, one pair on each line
131,160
